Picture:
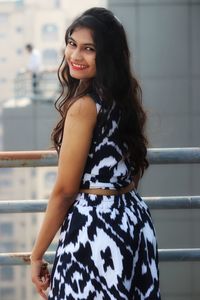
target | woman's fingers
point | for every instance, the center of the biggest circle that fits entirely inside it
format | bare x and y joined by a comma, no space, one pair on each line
45,282
42,294
45,277
40,277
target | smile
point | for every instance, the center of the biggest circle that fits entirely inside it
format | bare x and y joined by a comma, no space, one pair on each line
78,66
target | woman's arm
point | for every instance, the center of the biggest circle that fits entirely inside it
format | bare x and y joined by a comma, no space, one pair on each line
78,131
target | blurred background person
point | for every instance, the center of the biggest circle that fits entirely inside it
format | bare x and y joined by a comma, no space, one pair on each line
34,66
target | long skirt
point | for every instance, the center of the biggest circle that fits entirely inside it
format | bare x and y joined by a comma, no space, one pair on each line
107,251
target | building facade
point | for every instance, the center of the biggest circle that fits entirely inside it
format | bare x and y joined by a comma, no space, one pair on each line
165,46
26,124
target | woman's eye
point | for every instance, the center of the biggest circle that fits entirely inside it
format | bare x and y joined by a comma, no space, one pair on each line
71,43
89,49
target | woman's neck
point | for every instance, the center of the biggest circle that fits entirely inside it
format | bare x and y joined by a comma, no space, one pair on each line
82,87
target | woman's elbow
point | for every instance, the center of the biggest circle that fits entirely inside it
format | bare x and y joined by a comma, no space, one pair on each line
64,193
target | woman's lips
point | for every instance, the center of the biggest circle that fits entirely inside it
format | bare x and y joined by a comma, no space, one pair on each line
78,67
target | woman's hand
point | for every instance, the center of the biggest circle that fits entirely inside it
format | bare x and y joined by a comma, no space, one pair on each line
40,276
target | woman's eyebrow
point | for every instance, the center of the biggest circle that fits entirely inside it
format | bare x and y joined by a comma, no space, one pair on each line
85,44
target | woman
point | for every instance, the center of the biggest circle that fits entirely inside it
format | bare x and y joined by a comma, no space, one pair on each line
107,248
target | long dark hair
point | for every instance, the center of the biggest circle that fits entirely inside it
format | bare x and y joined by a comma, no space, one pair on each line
113,81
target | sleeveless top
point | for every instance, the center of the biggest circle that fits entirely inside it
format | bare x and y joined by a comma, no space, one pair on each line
106,167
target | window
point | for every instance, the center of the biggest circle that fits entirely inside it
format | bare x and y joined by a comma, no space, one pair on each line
50,32
6,170
22,246
2,35
50,178
4,183
19,3
33,195
3,59
19,51
34,219
50,57
19,29
23,292
7,247
7,293
2,80
22,181
33,172
7,273
56,3
3,18
23,272
6,228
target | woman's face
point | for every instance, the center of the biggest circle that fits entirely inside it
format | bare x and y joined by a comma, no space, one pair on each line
80,54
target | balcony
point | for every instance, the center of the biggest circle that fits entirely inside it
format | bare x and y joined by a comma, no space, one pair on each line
46,85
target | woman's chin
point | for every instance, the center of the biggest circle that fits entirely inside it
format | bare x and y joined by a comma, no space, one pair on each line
77,76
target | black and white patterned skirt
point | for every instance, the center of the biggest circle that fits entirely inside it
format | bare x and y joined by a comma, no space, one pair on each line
107,251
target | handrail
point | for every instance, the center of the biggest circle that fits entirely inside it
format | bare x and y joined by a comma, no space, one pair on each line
49,158
12,159
155,156
165,255
33,206
47,85
187,155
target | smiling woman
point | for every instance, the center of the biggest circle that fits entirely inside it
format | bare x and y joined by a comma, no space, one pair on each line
80,54
107,248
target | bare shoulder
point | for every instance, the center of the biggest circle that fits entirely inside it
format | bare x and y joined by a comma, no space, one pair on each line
83,107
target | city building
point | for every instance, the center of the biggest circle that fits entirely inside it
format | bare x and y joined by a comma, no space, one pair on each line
41,23
18,231
165,46
26,121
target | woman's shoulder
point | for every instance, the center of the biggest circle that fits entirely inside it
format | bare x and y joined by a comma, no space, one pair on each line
88,103
83,109
83,104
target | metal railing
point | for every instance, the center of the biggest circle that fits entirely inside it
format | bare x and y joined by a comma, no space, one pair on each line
45,86
49,158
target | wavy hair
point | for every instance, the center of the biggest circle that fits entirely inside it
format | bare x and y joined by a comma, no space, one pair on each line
114,81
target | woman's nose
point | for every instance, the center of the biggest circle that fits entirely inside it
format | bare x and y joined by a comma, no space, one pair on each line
76,54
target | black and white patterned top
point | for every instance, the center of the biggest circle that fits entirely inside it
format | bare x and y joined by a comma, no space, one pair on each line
106,166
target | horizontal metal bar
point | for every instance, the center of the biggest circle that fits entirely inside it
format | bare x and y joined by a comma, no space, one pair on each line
15,259
173,202
174,155
22,206
179,255
49,158
30,206
11,159
165,255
